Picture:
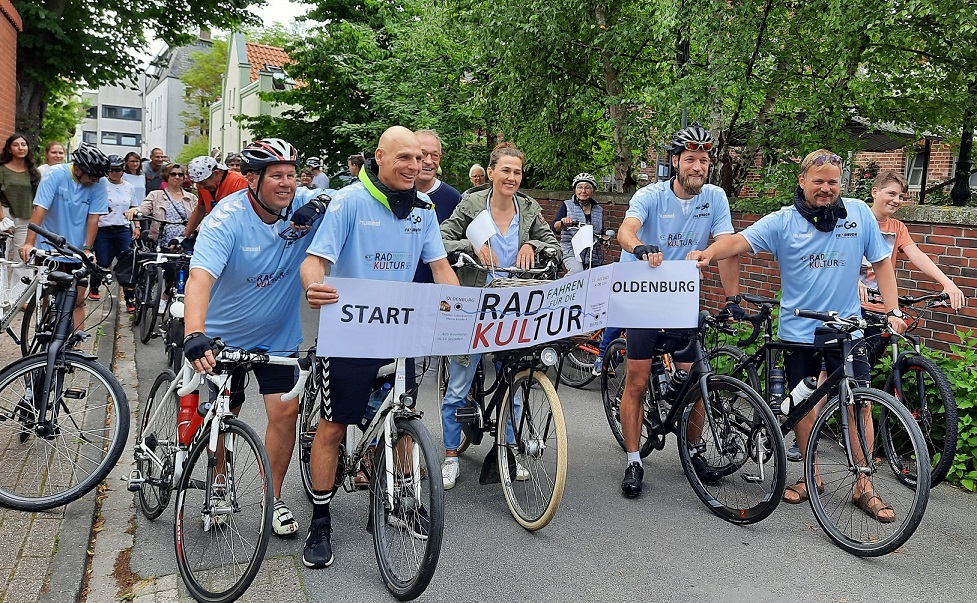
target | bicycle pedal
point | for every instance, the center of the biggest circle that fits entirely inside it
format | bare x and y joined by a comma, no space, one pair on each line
467,414
136,480
74,393
751,478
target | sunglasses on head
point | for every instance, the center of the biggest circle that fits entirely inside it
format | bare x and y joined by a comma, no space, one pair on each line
823,158
698,146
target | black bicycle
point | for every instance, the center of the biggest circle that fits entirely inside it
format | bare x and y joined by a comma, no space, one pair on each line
729,442
863,440
150,258
64,418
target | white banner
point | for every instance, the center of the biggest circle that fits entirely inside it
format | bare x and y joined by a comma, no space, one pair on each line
381,319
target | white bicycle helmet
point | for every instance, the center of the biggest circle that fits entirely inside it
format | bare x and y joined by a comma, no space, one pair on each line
585,177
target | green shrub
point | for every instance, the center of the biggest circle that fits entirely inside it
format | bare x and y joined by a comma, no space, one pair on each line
961,370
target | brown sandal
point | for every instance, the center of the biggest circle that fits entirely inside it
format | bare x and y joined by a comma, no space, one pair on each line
866,503
800,489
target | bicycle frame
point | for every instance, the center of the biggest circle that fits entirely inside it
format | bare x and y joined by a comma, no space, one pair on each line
9,310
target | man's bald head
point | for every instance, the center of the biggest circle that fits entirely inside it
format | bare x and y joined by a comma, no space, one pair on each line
398,158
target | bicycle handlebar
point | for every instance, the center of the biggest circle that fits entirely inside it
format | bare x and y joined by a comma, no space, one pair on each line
908,300
239,356
463,259
849,324
59,243
140,216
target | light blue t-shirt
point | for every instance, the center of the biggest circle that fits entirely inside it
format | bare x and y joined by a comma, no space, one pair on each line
676,226
255,301
69,203
364,239
506,247
818,270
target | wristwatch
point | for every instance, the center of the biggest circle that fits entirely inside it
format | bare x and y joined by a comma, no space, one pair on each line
89,248
736,299
897,313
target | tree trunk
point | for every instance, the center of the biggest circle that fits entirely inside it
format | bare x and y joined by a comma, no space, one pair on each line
623,154
30,109
960,193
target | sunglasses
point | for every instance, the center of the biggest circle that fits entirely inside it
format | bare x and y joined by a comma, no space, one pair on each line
180,174
698,146
823,158
115,169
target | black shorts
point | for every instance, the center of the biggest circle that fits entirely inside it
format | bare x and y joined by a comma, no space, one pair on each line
802,363
348,383
272,379
645,344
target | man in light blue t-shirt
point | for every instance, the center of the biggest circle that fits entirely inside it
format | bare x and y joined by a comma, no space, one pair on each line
68,202
377,228
819,243
665,221
244,287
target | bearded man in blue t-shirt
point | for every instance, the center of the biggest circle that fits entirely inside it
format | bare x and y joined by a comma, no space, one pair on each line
799,236
381,215
665,221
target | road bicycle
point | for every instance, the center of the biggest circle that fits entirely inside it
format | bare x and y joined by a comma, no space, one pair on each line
64,418
219,469
921,386
149,276
729,442
396,451
861,437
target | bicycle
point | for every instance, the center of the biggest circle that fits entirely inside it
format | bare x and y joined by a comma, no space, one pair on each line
64,418
839,449
219,469
922,387
31,295
398,453
723,428
524,415
150,257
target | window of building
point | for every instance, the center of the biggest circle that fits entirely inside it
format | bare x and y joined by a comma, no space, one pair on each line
129,113
914,169
123,139
91,113
89,137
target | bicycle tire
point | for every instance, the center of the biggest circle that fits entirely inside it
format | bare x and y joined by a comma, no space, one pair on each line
31,323
139,295
175,332
309,413
84,443
539,448
154,495
612,379
852,529
936,417
740,452
578,364
150,309
724,358
230,526
405,569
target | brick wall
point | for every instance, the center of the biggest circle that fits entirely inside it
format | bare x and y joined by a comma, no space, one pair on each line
947,234
10,24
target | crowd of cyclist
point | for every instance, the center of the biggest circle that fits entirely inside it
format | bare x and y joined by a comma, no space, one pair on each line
262,243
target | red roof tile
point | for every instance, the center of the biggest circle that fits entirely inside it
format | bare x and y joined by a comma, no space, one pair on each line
260,55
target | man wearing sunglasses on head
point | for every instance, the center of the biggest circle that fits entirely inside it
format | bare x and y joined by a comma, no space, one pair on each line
665,221
819,243
244,287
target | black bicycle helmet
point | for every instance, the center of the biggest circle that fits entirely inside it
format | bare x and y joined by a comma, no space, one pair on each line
91,161
692,138
584,177
267,151
116,161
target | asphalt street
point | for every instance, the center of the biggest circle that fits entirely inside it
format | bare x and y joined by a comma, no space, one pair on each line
664,546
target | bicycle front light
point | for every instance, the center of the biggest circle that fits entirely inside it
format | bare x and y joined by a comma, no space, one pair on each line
177,309
549,357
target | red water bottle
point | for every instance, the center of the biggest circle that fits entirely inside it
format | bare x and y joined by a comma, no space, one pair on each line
189,420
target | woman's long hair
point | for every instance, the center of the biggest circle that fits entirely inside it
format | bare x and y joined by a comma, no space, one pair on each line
6,156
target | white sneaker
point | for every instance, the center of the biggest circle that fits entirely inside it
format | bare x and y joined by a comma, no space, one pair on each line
282,521
522,474
449,473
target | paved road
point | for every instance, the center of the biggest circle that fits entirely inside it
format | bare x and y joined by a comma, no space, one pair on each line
664,546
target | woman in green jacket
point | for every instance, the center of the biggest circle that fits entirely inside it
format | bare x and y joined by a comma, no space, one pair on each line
521,231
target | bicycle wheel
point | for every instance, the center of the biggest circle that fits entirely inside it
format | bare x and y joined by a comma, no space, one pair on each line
35,322
221,534
612,378
725,358
578,363
532,458
153,286
851,528
161,438
927,393
407,509
310,410
50,461
175,332
732,451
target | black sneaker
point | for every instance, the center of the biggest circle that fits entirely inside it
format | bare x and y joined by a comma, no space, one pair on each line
706,474
416,521
318,548
631,486
794,453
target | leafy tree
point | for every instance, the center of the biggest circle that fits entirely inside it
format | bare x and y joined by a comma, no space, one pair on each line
95,42
198,146
202,86
65,111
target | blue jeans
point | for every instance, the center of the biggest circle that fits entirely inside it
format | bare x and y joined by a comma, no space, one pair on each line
110,242
456,396
610,334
